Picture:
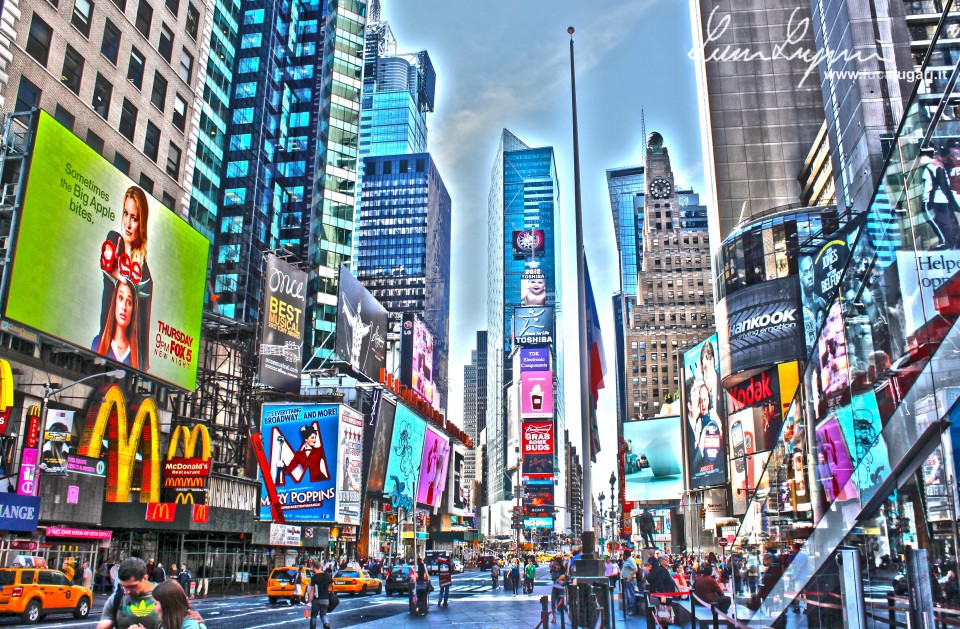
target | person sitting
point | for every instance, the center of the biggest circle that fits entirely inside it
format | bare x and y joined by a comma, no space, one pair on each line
709,591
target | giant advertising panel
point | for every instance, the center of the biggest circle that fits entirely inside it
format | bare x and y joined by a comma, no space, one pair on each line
185,469
379,436
536,394
433,468
653,468
538,445
820,272
303,446
538,500
759,326
533,287
533,326
282,324
406,448
416,356
535,359
460,485
87,273
834,363
361,327
707,449
528,243
350,457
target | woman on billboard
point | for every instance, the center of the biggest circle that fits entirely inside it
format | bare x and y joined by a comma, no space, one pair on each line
123,256
118,339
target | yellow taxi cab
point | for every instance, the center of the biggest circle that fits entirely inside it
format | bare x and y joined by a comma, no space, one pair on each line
355,582
33,593
282,584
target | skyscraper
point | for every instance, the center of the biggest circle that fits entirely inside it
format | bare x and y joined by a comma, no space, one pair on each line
396,100
524,197
474,399
403,251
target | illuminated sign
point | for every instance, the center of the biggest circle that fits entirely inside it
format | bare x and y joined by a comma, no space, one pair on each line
535,359
30,456
107,420
533,327
65,531
536,394
161,512
281,331
6,394
185,477
201,514
528,241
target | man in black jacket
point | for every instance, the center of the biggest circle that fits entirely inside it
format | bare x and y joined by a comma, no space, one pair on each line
660,579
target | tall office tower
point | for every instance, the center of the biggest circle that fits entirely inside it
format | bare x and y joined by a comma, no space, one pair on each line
474,398
524,197
673,307
759,115
403,249
69,62
397,95
214,116
290,158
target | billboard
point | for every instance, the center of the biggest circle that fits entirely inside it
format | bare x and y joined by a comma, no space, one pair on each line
536,394
57,437
403,466
460,485
433,468
820,272
707,446
84,230
538,444
834,373
533,327
303,448
361,327
528,242
416,358
281,329
350,457
535,359
745,476
185,477
538,499
533,287
380,443
834,467
861,426
653,468
759,326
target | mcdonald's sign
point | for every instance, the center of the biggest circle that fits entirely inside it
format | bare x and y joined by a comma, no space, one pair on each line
185,476
201,514
161,512
108,419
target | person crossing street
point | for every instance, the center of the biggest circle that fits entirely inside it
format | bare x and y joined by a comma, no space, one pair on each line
529,574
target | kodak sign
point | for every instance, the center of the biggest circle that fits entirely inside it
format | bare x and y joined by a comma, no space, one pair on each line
109,419
185,476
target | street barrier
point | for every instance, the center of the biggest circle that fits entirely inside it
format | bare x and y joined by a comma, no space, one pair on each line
588,599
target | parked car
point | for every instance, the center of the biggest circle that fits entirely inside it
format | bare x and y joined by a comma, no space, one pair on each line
400,579
282,584
34,593
355,582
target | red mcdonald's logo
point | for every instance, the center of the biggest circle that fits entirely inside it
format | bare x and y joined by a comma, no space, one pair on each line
201,514
161,512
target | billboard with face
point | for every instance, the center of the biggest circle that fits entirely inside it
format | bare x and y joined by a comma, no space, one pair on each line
403,467
303,444
459,485
416,360
536,394
533,288
652,464
834,373
350,456
433,468
820,271
361,327
707,454
102,265
282,324
379,436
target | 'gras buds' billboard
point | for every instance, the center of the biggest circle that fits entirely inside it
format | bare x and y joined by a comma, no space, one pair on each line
102,265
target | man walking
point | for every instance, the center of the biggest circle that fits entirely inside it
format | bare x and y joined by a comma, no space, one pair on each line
445,572
529,574
184,577
87,579
202,581
495,574
628,582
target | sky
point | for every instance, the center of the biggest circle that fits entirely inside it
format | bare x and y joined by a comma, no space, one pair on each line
505,64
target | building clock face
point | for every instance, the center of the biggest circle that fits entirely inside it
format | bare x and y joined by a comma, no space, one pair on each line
660,188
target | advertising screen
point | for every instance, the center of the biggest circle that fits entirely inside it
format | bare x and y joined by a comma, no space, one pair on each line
459,485
302,443
433,468
533,327
707,454
281,325
834,374
820,271
528,242
87,273
416,359
653,468
861,427
535,359
350,456
536,394
537,448
361,327
797,487
745,475
57,437
381,435
533,288
538,499
406,447
834,467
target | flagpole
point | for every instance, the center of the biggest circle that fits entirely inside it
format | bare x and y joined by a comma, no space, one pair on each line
588,537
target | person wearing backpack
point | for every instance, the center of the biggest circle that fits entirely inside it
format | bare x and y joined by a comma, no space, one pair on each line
318,596
939,202
529,574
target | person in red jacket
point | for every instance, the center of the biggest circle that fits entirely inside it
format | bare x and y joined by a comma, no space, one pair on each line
310,456
445,572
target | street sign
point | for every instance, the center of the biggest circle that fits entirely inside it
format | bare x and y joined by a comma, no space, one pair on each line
518,510
723,542
421,535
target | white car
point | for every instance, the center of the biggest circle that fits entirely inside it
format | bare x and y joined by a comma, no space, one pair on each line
457,565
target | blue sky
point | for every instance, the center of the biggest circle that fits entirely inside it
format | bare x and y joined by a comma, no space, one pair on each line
505,64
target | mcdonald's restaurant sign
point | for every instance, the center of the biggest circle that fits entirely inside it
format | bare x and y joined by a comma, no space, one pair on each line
201,514
161,512
108,419
185,477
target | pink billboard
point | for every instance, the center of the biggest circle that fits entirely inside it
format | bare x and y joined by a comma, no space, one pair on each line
433,468
536,394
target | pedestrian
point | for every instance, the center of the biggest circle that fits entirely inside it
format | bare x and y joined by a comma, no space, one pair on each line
709,591
173,608
422,588
298,587
495,575
612,572
445,577
103,577
753,574
515,576
115,578
628,582
203,583
529,574
87,579
159,574
150,566
173,572
558,575
134,606
318,596
183,578
68,569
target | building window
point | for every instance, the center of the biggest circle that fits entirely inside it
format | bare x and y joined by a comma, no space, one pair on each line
28,95
110,46
121,4
159,95
243,116
165,47
82,14
102,93
144,18
146,183
186,65
94,141
173,161
121,163
193,21
179,112
174,6
167,200
64,117
151,141
251,40
72,72
38,41
135,68
128,120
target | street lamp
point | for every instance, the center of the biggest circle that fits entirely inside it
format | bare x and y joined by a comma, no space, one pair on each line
602,497
613,510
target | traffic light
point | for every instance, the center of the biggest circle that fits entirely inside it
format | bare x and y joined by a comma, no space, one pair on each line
703,513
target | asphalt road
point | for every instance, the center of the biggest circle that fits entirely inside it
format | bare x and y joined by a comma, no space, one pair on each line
254,611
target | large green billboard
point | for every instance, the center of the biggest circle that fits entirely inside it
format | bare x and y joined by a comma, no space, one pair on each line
102,265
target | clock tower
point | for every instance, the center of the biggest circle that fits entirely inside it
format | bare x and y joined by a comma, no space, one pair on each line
661,204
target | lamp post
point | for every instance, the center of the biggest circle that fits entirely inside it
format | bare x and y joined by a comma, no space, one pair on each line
613,507
602,498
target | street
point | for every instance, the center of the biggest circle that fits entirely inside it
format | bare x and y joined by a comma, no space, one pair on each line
254,612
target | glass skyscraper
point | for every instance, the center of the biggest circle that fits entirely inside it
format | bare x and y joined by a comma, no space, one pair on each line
396,100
